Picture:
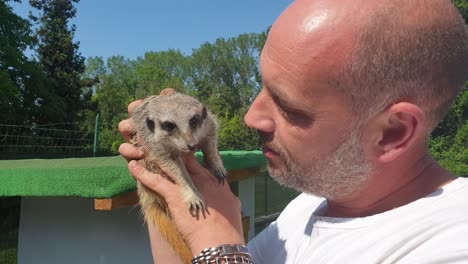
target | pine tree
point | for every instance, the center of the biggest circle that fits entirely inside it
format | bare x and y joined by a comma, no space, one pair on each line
58,54
22,82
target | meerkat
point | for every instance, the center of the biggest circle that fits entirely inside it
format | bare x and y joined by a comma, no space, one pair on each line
165,127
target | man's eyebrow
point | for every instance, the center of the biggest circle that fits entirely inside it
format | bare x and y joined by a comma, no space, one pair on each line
300,117
280,97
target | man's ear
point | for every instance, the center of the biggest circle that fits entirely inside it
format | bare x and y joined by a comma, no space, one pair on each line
397,129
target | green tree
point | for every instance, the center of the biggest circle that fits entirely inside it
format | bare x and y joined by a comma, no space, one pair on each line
95,72
234,135
226,77
157,70
59,55
14,39
230,68
223,75
112,95
462,6
23,87
449,141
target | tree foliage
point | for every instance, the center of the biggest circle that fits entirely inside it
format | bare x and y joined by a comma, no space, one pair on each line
449,141
230,68
223,75
462,6
59,56
22,83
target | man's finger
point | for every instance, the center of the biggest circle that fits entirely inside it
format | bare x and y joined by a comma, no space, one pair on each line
130,152
153,181
198,173
191,163
134,105
126,129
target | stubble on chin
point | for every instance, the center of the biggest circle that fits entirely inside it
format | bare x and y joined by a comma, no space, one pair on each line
340,174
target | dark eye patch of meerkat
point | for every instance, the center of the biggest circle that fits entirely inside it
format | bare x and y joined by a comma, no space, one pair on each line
168,126
195,121
150,124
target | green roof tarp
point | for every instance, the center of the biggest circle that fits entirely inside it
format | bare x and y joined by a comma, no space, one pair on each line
101,177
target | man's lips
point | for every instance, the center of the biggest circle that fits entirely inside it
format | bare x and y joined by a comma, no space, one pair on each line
268,152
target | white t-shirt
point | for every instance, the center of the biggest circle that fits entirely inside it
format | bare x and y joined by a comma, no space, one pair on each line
433,229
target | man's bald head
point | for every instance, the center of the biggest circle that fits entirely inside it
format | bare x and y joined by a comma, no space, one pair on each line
310,33
377,52
414,51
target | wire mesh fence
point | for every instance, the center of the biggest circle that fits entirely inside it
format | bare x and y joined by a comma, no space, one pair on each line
50,141
270,200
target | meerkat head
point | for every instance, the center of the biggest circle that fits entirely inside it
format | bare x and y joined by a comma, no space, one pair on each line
176,121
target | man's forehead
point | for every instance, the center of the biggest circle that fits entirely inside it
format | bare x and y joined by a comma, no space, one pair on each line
312,32
285,75
307,17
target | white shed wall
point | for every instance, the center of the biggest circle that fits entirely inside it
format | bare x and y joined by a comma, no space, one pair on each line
68,230
56,230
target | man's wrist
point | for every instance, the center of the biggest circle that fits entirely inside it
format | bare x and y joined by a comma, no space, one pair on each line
213,240
226,253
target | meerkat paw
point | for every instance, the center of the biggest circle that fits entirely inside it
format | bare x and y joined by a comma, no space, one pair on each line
196,207
195,203
220,173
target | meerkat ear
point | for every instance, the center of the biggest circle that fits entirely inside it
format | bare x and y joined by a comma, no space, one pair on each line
167,91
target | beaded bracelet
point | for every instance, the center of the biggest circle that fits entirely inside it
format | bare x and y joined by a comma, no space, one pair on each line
224,254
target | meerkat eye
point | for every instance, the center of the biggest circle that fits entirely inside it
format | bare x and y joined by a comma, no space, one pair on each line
168,126
194,121
150,124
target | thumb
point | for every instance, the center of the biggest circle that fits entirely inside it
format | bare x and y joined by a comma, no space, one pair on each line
153,181
191,163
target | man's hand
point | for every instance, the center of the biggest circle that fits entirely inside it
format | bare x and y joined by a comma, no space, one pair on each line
220,225
127,150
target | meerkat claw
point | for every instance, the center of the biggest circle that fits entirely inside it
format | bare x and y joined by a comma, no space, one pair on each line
194,207
220,174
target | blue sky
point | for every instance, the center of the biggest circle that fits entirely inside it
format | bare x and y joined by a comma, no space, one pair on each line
131,28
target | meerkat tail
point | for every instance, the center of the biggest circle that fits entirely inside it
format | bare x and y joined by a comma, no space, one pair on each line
169,232
155,211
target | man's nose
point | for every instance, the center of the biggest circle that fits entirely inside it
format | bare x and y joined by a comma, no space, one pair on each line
260,114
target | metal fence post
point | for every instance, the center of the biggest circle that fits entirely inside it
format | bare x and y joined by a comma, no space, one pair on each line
96,135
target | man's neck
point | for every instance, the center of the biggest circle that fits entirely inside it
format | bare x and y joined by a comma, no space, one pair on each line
392,188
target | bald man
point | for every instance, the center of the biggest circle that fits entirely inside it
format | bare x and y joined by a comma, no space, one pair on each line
351,92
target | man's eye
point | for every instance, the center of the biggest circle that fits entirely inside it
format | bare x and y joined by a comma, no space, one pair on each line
284,112
295,118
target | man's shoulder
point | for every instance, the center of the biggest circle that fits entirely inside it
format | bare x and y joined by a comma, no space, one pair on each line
303,206
454,193
452,199
443,229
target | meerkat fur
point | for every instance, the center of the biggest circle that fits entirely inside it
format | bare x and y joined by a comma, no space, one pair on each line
165,127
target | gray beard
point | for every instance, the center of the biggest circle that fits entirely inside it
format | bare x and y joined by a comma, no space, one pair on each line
337,176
